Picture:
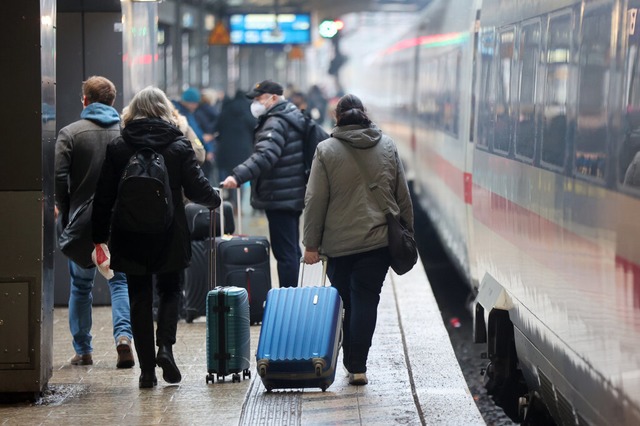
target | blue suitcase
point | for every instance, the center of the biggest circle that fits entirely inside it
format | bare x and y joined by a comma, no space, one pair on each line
300,338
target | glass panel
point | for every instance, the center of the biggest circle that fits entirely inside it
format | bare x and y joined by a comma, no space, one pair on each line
591,131
503,92
486,104
629,155
555,96
529,56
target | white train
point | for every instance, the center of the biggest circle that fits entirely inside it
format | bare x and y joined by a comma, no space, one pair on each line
519,121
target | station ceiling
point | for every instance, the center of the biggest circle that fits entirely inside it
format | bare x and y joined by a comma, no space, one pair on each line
324,8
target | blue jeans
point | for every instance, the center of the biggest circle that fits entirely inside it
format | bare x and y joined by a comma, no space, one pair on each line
284,233
80,300
358,279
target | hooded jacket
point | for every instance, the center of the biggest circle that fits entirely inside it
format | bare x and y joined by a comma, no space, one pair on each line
137,253
80,150
276,167
341,215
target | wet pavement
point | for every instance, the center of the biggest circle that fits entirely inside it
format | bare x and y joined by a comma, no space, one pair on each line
414,377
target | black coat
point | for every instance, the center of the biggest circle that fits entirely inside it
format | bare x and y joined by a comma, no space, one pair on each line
141,254
276,167
235,132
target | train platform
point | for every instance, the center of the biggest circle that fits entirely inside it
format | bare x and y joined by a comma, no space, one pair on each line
414,378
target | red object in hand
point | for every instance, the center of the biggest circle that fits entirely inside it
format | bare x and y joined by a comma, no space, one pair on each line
101,256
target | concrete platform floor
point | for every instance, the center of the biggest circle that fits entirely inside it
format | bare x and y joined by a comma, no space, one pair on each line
414,379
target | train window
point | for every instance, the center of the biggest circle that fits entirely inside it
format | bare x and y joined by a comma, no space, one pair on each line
556,90
503,92
591,129
629,153
529,53
486,104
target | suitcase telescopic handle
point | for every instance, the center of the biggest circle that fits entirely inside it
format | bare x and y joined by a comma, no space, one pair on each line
238,208
324,261
212,258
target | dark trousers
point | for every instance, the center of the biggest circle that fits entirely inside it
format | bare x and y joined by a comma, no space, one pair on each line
141,301
359,278
284,233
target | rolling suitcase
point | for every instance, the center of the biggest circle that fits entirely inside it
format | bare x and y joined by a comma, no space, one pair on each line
300,337
244,261
228,334
198,220
228,328
195,279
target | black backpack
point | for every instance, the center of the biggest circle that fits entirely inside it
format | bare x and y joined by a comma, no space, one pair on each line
312,135
144,203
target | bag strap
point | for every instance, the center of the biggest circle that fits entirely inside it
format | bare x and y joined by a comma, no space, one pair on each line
372,186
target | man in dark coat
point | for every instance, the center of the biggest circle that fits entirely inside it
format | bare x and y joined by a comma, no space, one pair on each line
148,121
276,171
80,150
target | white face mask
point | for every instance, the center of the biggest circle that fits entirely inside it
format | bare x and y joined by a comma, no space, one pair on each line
257,109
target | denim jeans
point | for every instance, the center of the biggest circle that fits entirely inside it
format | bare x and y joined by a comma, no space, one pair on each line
284,233
80,301
358,279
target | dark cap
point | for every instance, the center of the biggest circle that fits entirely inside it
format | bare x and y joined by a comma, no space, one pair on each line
266,86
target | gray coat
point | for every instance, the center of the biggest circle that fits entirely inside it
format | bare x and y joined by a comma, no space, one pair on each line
341,215
80,150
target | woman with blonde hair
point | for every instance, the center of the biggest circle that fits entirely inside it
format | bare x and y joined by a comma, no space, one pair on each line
148,122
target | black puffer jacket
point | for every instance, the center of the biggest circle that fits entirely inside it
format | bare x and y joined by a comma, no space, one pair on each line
142,254
276,167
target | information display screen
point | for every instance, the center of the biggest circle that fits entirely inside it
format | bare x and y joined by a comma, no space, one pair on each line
261,28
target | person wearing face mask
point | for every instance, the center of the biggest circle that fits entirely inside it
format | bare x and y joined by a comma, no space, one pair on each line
277,174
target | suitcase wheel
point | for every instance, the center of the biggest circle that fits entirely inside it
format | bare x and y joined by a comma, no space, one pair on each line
210,378
262,370
246,373
235,378
324,388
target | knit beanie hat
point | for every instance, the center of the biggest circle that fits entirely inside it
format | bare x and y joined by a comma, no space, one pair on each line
191,95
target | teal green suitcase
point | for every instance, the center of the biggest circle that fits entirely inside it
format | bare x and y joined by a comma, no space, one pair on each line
228,334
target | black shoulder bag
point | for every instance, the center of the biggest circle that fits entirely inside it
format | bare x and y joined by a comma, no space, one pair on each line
402,244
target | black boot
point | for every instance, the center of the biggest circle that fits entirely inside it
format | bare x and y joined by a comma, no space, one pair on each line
147,379
164,359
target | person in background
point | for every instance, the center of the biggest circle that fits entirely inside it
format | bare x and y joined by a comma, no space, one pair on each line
299,100
276,172
344,222
187,106
235,133
196,144
317,104
149,122
79,153
207,112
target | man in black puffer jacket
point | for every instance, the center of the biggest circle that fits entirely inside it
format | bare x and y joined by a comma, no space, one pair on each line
276,172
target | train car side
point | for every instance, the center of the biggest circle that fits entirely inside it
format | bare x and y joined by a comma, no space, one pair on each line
521,134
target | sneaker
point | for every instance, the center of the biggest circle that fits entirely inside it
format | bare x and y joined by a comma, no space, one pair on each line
84,359
125,355
358,379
